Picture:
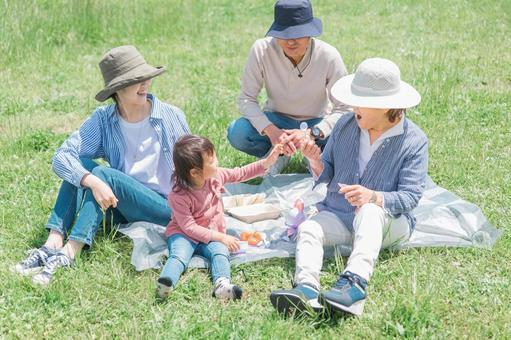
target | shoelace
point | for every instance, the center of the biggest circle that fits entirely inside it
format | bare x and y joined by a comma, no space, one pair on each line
342,283
33,256
345,282
59,260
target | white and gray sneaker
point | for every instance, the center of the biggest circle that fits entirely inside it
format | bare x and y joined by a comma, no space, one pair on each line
277,167
225,290
59,260
163,287
35,261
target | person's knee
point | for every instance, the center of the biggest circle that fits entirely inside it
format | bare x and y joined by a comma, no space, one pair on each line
371,209
368,210
237,133
309,229
88,163
104,173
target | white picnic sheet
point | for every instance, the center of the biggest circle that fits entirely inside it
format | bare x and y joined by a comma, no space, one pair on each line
443,219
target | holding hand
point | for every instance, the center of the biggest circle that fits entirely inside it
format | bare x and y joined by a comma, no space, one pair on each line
279,136
310,150
358,195
273,156
231,242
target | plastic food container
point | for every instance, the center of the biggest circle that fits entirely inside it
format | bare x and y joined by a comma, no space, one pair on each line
255,212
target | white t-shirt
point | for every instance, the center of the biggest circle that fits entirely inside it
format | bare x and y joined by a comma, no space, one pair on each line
143,158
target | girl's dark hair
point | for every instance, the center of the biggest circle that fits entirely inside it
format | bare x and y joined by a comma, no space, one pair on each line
187,155
394,114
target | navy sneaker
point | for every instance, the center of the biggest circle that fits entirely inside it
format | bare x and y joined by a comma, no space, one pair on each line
59,260
347,295
35,261
302,298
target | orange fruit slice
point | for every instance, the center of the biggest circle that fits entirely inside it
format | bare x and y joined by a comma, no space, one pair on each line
245,235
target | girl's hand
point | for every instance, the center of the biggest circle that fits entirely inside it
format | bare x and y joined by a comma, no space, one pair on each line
101,191
273,156
310,150
231,242
356,195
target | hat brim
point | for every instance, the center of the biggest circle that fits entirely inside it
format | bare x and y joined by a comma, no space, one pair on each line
310,29
406,97
137,75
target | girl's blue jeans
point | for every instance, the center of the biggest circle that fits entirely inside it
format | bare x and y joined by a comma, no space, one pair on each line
181,250
243,136
77,215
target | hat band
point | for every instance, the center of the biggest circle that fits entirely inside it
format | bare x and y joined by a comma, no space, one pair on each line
370,92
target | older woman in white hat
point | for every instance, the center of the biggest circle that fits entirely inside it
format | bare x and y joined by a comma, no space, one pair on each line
297,70
135,135
375,164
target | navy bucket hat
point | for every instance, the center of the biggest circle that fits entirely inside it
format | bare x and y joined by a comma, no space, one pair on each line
294,19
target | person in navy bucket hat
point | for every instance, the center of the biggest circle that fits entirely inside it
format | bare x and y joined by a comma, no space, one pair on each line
294,19
297,71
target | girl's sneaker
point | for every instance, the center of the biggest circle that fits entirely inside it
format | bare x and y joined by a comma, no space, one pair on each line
59,260
35,261
163,287
225,290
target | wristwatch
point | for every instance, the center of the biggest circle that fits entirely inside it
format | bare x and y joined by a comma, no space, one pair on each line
316,133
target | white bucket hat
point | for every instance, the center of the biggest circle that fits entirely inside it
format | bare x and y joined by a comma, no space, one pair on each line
376,84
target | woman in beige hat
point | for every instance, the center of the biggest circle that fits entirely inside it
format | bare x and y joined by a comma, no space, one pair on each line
135,135
375,166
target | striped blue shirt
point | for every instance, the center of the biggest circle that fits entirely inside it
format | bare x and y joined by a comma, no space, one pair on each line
100,136
398,169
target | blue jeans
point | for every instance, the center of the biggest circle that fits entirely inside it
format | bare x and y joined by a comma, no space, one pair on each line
181,250
244,137
76,213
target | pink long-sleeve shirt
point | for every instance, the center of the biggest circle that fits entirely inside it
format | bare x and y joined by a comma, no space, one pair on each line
197,213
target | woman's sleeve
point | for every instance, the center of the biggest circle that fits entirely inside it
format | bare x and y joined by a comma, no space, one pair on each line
182,121
411,184
86,142
251,84
182,215
328,162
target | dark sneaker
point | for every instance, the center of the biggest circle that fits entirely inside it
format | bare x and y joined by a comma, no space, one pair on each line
59,260
225,290
163,287
301,298
348,294
34,262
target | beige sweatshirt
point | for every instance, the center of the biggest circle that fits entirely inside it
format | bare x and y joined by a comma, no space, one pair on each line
298,98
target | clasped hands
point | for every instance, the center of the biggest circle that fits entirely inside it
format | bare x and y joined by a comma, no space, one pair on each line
294,140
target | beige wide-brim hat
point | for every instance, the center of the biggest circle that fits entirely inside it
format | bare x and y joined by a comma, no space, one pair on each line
376,84
124,66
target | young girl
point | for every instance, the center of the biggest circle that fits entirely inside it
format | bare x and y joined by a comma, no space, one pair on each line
197,225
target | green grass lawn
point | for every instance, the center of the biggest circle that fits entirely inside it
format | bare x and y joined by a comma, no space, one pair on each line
456,53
